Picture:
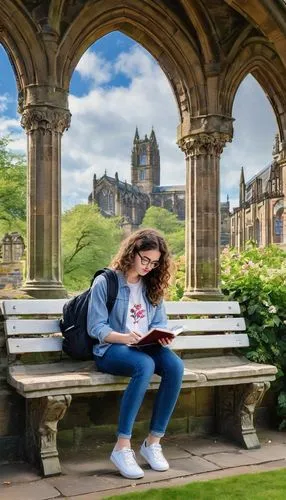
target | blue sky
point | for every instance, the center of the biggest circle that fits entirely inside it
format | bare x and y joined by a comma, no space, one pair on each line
118,85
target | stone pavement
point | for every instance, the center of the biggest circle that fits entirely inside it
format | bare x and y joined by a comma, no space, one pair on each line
88,474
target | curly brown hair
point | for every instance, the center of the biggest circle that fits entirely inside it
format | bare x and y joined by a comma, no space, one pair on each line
157,280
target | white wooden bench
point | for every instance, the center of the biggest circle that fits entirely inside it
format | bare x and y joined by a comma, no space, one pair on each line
209,349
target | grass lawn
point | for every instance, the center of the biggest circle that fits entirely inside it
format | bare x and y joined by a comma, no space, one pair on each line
263,486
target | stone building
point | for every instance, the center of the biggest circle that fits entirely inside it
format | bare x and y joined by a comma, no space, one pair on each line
130,201
260,214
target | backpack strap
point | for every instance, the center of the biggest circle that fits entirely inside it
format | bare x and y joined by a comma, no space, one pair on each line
112,285
112,288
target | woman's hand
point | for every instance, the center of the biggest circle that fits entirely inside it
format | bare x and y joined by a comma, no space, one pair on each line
165,342
132,338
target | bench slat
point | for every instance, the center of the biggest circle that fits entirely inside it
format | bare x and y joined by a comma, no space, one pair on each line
31,326
55,306
210,341
52,344
46,326
203,307
25,307
47,344
210,324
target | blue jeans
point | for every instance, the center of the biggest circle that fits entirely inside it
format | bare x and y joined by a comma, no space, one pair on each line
140,365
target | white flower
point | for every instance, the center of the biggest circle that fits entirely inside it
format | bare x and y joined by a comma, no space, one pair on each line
272,309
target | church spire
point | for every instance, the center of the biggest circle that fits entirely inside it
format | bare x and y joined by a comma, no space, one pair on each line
136,136
241,188
242,181
153,135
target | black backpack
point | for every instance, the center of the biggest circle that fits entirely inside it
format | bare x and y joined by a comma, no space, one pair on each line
76,341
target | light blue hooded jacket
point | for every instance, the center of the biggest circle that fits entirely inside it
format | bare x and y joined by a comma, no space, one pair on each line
100,324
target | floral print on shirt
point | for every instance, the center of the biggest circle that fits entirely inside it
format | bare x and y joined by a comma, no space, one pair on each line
136,313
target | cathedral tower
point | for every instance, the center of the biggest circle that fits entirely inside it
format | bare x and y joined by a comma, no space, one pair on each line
145,162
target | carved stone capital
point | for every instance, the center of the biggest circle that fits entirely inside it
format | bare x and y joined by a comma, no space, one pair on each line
45,119
204,144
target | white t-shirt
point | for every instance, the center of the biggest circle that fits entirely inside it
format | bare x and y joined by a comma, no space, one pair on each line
137,320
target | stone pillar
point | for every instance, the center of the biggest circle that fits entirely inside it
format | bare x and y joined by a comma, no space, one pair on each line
282,164
202,248
44,126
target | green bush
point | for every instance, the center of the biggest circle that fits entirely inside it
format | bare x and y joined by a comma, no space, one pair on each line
256,278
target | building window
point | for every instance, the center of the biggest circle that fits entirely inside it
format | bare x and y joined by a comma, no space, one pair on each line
142,159
142,175
278,213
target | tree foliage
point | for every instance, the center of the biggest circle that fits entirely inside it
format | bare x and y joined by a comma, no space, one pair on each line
89,241
168,223
12,189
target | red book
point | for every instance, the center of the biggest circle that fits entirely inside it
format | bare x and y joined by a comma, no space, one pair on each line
156,334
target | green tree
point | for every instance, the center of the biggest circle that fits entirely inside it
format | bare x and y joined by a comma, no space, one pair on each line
169,224
12,189
89,241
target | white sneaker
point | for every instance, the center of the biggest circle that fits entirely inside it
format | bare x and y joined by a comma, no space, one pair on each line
125,462
154,456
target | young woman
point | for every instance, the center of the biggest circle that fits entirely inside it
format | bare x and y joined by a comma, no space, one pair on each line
143,269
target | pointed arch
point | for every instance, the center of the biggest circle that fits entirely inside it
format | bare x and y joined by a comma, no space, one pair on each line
257,57
269,17
18,36
175,51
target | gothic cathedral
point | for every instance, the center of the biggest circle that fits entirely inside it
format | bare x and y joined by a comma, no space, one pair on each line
130,201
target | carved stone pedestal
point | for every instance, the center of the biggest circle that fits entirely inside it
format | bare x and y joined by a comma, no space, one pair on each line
235,407
42,416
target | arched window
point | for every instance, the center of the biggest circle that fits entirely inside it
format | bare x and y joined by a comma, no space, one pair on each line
278,211
257,231
143,159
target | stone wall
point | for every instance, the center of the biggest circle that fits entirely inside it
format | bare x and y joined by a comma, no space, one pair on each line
11,275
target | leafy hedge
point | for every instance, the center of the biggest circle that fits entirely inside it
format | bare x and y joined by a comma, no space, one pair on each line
256,278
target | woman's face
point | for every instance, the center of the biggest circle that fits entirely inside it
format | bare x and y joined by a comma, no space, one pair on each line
145,261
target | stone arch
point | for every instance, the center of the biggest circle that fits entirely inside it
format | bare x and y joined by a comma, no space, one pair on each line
258,58
176,52
18,35
267,16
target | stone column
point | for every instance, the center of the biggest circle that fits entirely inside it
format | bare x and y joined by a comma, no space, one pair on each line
282,163
202,248
44,126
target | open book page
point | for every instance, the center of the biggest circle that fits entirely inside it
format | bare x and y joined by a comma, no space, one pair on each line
156,334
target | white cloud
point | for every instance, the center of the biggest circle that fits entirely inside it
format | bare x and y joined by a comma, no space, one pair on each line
254,130
94,67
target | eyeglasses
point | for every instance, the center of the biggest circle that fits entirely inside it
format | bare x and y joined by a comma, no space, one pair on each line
147,262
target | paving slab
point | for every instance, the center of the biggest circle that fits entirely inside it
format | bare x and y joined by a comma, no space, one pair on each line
203,447
37,490
80,485
17,473
267,453
226,460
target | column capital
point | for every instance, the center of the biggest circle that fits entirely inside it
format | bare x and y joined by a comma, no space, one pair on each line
47,119
205,134
204,144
